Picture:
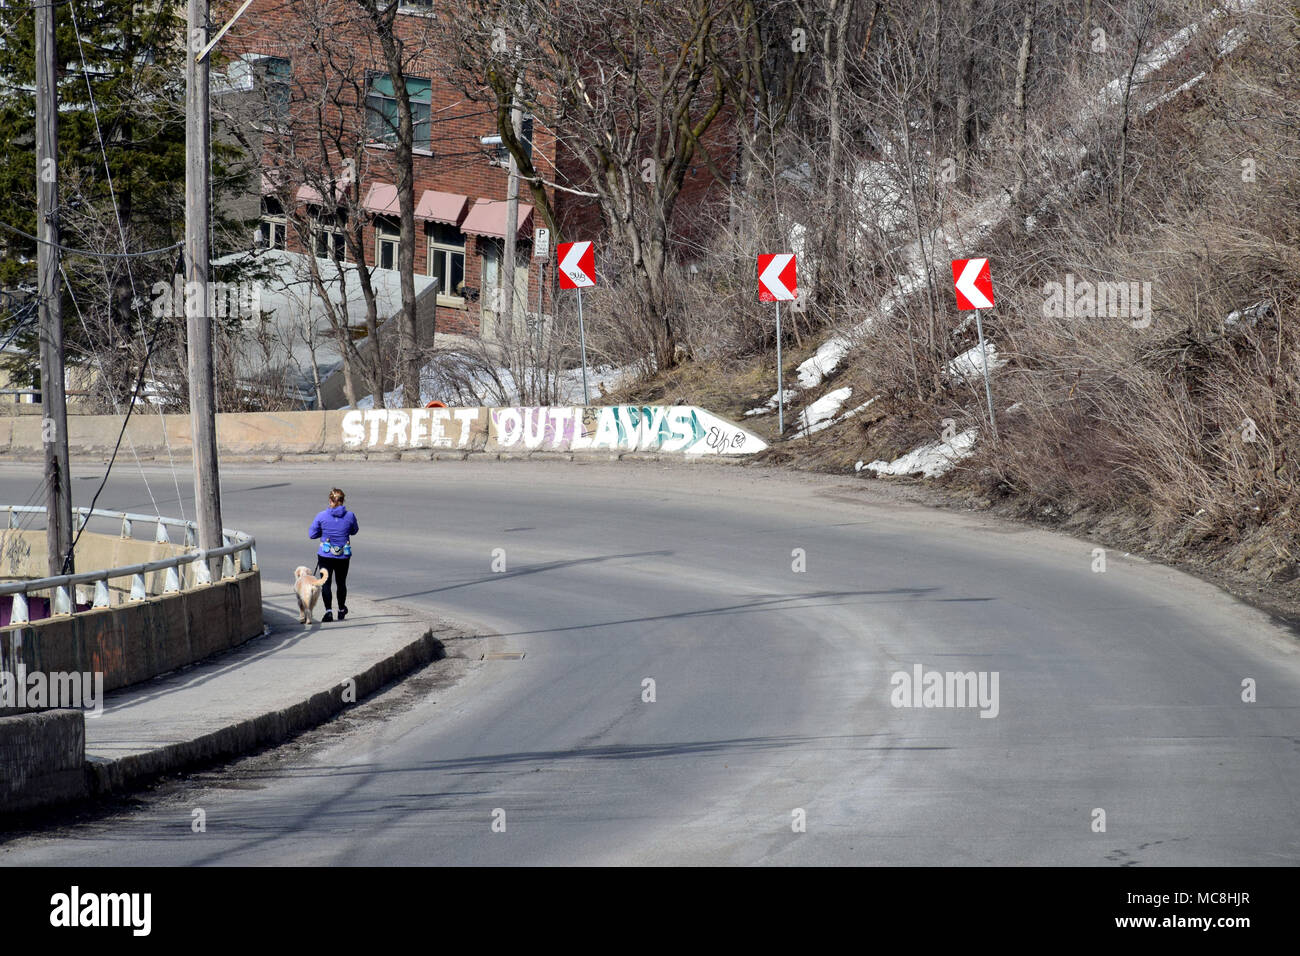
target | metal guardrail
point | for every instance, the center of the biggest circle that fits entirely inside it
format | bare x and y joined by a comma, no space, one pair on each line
238,554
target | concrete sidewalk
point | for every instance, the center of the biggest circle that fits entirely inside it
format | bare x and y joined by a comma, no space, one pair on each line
260,694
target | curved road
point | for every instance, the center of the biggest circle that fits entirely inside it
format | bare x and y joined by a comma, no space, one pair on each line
1119,691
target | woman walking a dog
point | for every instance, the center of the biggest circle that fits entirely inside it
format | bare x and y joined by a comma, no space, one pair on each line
334,526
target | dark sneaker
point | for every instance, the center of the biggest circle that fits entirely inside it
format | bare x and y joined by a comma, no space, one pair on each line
329,616
343,613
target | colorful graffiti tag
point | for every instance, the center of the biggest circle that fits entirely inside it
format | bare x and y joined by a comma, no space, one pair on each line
681,429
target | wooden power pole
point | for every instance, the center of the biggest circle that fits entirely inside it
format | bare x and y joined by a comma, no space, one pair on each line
512,222
54,406
203,418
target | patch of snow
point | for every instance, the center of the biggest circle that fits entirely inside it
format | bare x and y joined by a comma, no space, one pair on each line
931,460
500,388
1164,98
610,376
1113,92
769,406
835,421
798,233
812,371
823,409
881,201
800,175
970,363
829,354
1248,316
977,222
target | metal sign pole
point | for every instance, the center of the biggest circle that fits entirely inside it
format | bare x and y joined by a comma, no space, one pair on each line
582,333
541,302
780,388
988,391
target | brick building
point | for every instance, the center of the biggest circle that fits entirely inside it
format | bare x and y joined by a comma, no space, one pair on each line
323,119
460,180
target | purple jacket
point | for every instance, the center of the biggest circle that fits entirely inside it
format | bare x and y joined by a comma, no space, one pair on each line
333,526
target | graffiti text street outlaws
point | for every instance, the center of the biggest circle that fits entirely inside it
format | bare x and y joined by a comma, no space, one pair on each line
412,428
658,428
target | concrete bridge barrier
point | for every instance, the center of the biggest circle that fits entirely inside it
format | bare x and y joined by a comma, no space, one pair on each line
123,623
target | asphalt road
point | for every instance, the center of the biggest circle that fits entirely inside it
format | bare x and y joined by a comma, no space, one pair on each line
1118,691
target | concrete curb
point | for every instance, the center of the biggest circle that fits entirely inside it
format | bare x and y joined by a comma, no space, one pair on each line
105,777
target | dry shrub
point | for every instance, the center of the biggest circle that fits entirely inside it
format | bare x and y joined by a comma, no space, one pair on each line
1189,423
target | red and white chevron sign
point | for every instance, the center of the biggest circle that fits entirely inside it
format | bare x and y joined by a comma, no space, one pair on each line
974,284
776,278
577,264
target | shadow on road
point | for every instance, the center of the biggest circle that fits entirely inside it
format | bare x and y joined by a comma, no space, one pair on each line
532,569
771,602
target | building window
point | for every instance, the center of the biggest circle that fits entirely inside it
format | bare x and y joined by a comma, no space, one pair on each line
273,226
381,109
388,236
447,260
500,154
269,78
276,81
327,236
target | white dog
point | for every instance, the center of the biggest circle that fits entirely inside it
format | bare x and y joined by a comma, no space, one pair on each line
308,591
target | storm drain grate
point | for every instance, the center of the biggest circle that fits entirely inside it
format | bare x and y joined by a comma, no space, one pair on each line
503,656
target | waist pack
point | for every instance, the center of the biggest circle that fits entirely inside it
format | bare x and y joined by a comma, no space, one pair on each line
336,550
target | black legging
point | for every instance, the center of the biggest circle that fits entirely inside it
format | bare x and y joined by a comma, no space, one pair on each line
338,569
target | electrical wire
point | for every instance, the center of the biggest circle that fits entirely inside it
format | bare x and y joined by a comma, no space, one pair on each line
88,252
31,314
121,229
117,409
135,394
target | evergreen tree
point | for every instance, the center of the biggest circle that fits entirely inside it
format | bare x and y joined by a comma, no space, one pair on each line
121,157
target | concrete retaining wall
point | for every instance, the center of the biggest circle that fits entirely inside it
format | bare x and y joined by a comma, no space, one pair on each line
608,431
42,759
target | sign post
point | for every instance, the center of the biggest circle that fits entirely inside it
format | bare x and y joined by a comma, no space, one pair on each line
578,271
542,253
780,376
777,282
974,286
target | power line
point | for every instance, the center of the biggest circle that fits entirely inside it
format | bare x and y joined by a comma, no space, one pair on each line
108,389
121,230
23,320
86,252
135,394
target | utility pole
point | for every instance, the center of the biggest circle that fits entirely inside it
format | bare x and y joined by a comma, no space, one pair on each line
54,405
512,219
198,317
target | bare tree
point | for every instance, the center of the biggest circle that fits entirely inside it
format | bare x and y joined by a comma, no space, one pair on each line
630,91
312,129
382,20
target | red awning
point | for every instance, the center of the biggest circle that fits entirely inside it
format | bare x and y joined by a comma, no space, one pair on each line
433,205
308,194
274,180
382,199
441,207
488,218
